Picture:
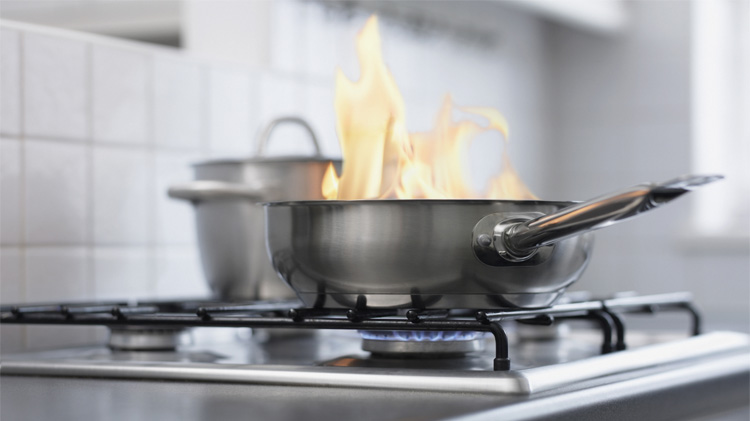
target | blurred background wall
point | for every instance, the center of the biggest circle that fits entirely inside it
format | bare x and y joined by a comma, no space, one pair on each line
624,110
95,127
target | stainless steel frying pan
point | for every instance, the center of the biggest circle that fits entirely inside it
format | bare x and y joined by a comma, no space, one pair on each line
478,254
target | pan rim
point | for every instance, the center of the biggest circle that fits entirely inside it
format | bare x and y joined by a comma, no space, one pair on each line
355,202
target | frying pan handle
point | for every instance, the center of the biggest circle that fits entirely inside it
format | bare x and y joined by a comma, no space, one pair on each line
203,190
519,240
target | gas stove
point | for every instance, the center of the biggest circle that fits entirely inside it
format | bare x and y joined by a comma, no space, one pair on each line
583,354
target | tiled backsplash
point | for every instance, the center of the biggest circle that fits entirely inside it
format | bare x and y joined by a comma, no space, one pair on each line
85,165
94,130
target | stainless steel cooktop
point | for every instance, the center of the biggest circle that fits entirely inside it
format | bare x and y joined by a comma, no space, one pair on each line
335,358
572,366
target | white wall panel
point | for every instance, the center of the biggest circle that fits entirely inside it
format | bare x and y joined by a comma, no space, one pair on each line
57,206
123,205
178,104
178,273
56,87
11,188
175,222
121,95
55,274
233,115
122,273
10,81
11,291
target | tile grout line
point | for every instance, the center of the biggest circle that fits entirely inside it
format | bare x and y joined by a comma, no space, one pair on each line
117,145
22,168
90,334
152,221
100,244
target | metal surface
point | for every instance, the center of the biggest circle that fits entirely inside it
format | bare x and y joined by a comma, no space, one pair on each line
522,239
199,191
661,357
76,399
425,349
230,223
142,338
694,391
411,254
692,394
326,375
439,253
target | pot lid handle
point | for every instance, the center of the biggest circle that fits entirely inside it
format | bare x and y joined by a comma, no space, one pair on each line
265,135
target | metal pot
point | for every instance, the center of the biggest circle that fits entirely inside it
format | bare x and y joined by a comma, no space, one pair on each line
478,254
230,222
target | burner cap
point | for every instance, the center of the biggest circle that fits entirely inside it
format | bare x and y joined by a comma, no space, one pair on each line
144,338
421,343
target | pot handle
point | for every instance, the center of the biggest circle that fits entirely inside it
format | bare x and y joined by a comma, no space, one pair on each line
201,190
518,241
265,135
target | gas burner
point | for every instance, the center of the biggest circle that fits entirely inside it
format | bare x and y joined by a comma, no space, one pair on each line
144,338
415,343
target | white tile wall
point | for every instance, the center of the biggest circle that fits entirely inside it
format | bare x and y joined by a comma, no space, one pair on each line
319,99
233,117
345,29
321,43
121,95
178,273
10,191
10,81
178,104
280,94
122,273
54,274
121,195
12,338
284,95
10,271
485,155
56,87
57,192
57,273
412,64
287,31
95,131
174,219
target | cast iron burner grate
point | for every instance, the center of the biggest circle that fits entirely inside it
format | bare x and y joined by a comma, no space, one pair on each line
290,314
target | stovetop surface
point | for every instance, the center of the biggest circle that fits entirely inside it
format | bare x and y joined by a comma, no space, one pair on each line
519,351
344,348
248,385
556,371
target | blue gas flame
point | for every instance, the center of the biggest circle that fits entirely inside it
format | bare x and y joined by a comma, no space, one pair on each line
420,335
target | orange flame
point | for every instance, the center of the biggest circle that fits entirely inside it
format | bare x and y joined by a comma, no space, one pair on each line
382,160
